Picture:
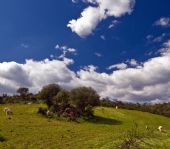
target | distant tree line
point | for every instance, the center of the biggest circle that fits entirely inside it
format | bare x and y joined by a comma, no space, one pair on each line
158,108
76,102
23,96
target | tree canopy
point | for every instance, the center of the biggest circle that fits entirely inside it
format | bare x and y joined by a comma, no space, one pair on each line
48,92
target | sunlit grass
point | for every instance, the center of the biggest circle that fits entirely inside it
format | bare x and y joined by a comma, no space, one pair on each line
29,130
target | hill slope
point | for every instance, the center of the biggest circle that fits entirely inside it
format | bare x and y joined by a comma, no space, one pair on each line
29,130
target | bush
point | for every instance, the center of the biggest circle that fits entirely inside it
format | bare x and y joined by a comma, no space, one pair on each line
42,111
79,102
89,111
135,139
2,100
70,113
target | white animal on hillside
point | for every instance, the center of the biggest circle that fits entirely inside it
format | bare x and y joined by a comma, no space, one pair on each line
49,113
29,103
8,111
160,128
117,107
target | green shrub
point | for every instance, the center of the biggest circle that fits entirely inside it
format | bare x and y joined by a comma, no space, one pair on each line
135,139
42,111
89,111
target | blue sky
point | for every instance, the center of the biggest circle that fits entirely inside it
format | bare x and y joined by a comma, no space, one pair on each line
128,34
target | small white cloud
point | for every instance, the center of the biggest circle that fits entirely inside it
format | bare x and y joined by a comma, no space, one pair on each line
51,56
90,68
102,37
74,1
71,50
164,22
120,66
132,62
23,45
159,38
68,61
152,39
98,54
113,24
149,37
65,50
57,47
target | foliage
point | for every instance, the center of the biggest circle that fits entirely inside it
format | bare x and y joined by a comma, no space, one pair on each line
48,93
23,92
83,97
89,111
62,98
17,99
42,110
76,103
71,113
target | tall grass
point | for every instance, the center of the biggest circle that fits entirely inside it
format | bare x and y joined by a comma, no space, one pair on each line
135,138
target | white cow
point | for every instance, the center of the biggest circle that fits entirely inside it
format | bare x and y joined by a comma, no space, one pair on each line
8,112
160,128
49,113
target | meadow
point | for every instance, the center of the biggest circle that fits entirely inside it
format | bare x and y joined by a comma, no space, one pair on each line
29,130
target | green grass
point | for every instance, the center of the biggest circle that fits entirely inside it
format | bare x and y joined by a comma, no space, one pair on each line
28,130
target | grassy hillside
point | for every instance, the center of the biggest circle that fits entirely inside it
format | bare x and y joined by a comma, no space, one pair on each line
28,130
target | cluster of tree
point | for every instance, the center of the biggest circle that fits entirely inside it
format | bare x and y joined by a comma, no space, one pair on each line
71,104
77,102
159,108
23,96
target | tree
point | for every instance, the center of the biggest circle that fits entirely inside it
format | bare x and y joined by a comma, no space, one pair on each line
48,92
23,92
60,102
62,98
83,97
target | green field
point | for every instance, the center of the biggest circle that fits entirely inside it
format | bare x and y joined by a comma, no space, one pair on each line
28,130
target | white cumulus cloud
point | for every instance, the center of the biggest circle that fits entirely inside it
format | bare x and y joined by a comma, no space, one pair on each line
148,83
92,15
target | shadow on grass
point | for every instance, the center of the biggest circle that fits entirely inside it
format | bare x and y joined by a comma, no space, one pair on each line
103,120
2,139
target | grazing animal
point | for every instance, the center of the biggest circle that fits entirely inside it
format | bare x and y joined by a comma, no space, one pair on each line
160,128
49,113
29,103
8,112
116,107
